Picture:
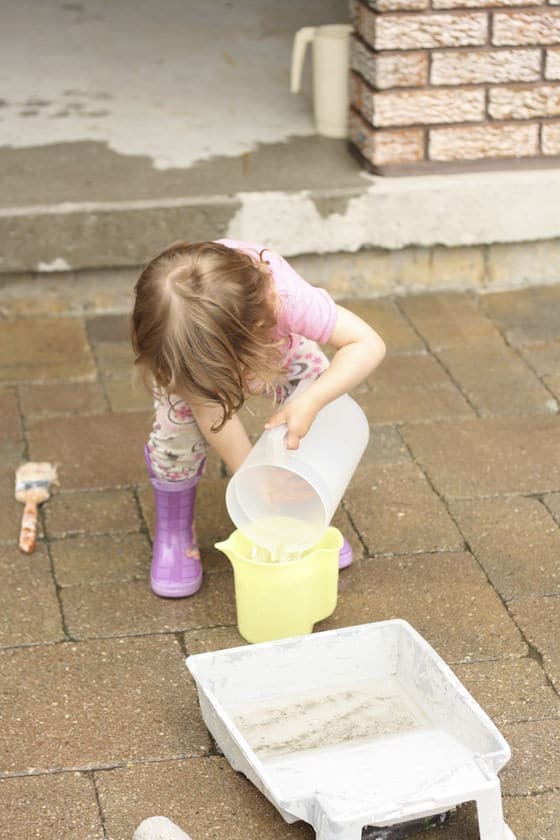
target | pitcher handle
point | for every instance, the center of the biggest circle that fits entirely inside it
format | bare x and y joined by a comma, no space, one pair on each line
302,38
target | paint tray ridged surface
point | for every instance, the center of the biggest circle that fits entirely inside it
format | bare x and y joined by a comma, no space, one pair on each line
354,727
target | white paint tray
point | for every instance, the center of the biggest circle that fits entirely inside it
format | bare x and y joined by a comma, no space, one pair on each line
355,727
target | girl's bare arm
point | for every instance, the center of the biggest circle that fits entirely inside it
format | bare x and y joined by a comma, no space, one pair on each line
359,350
231,442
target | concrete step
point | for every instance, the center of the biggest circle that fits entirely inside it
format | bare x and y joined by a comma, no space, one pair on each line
381,235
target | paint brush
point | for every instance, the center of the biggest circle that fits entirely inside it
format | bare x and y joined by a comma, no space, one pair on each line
33,487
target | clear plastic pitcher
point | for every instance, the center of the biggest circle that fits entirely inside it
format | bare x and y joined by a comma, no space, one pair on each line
277,600
285,499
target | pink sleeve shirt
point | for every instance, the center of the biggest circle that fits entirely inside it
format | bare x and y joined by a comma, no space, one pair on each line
304,309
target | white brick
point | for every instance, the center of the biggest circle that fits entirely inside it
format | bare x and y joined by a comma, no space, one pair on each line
383,71
386,147
520,103
551,138
424,107
395,147
408,32
552,65
478,66
526,28
483,141
482,4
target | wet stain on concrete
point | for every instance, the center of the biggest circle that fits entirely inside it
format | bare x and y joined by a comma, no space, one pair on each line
88,94
127,237
35,102
91,171
330,205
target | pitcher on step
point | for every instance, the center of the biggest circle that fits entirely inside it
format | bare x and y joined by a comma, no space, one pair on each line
331,57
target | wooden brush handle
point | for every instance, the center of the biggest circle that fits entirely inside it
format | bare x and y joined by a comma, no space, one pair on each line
28,533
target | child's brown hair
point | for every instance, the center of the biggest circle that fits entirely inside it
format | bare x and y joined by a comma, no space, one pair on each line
203,324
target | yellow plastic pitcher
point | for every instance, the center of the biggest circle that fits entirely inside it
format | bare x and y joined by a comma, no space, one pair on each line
277,600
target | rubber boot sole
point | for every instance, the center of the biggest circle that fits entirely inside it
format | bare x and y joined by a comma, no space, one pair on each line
176,590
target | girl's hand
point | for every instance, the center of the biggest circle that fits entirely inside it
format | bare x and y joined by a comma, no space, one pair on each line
298,415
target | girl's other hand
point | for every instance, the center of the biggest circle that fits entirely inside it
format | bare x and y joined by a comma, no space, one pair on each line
298,415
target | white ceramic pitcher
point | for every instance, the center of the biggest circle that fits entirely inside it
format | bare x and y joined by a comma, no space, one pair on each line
331,52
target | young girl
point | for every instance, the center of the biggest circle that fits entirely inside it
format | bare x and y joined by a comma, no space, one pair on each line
213,323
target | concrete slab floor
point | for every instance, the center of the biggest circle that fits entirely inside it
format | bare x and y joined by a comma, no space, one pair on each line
132,100
455,522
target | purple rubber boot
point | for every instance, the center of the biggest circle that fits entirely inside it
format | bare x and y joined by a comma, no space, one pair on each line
345,555
176,569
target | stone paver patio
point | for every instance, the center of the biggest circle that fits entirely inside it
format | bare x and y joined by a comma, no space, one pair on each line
454,515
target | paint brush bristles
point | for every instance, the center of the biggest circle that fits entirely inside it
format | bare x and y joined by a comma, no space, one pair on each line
33,487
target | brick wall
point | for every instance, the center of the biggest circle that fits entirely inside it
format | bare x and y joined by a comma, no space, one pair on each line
455,84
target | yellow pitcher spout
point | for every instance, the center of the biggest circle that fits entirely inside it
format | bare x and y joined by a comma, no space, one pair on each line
237,548
226,547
